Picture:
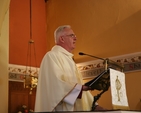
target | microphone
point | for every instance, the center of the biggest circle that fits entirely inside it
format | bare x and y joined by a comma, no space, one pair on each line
80,53
105,60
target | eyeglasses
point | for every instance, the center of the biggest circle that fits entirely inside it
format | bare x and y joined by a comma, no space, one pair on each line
71,35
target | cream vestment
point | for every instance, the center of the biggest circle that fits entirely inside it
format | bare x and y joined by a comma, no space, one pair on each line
60,83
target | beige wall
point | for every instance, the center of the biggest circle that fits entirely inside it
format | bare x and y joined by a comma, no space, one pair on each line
104,28
4,41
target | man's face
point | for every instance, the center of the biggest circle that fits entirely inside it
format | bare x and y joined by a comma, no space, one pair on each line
69,39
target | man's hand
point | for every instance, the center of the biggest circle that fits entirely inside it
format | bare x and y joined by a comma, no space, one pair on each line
85,88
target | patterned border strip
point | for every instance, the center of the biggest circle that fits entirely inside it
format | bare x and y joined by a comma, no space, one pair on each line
17,72
132,62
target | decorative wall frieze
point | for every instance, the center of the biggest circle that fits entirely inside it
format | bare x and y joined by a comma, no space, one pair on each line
90,69
17,72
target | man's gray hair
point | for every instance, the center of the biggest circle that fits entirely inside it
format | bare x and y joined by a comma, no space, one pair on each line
59,31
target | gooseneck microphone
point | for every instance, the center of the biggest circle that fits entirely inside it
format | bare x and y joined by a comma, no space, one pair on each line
80,53
107,61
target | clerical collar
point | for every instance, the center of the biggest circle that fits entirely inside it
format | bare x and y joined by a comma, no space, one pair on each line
61,49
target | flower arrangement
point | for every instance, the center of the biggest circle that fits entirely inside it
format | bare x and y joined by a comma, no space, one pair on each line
24,109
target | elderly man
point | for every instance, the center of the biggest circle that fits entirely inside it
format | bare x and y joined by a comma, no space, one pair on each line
60,86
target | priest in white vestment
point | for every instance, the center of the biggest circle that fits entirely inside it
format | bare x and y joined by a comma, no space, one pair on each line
60,86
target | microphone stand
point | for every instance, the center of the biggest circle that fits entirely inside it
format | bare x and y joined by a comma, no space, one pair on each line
96,98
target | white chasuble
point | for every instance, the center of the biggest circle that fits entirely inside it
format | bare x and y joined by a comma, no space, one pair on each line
59,84
118,90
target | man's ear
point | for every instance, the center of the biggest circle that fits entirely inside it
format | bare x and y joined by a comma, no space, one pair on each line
61,39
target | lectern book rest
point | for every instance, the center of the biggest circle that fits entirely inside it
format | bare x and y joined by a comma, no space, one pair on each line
100,82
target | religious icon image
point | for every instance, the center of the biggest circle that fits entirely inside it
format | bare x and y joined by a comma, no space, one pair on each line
118,87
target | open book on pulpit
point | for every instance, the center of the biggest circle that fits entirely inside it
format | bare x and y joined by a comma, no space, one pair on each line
100,82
